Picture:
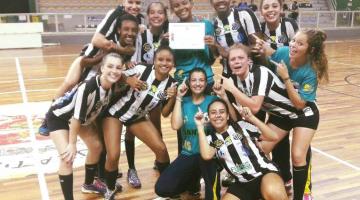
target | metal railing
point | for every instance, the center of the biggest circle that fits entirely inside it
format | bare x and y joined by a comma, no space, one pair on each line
55,23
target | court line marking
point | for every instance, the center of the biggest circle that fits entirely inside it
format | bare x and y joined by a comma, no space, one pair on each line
336,159
39,56
36,153
17,91
34,79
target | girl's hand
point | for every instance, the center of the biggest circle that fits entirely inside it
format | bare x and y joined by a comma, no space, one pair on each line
171,91
199,118
182,89
227,83
219,90
245,112
165,36
130,64
282,70
210,40
135,83
259,47
69,154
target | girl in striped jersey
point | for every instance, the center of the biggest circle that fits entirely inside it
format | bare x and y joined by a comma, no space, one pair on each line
232,26
302,67
256,176
73,114
104,39
131,108
146,44
277,32
149,40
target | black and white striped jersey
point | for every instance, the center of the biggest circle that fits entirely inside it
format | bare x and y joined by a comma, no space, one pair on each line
132,105
261,81
282,35
107,25
239,155
84,102
146,45
236,27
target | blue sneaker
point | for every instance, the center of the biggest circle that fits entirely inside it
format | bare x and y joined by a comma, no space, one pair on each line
43,129
98,187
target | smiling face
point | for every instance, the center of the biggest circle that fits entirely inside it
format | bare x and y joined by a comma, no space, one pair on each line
197,82
182,9
111,69
156,15
271,10
218,116
221,6
299,47
239,62
163,62
132,7
128,32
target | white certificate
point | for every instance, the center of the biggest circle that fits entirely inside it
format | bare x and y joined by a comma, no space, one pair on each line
187,35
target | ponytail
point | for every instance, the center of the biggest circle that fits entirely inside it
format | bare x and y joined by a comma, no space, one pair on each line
316,39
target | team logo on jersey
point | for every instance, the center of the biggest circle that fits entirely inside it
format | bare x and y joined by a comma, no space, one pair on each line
283,39
162,96
238,136
218,144
218,31
147,47
227,28
153,90
228,141
235,26
307,88
148,56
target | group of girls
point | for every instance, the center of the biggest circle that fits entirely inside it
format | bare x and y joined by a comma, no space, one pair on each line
271,69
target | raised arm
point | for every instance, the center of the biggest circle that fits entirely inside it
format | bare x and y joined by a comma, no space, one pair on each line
266,132
207,152
176,118
254,102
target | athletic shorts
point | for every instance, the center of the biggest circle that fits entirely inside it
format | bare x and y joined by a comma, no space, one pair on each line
286,123
55,123
127,123
248,191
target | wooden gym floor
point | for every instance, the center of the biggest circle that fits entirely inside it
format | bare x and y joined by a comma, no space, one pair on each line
336,149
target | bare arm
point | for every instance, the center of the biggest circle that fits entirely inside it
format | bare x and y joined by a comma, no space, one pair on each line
294,96
207,152
176,118
254,102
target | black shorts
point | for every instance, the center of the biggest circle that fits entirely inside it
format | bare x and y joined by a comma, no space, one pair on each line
286,123
127,123
247,191
55,123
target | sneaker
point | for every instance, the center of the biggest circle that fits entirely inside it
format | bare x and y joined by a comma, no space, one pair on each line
227,180
288,187
307,197
110,194
133,178
43,129
98,187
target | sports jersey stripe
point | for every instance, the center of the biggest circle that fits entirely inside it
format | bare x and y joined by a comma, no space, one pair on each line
234,154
